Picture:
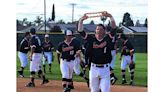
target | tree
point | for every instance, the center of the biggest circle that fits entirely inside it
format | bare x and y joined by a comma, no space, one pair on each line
120,24
49,19
103,18
61,21
18,22
29,24
24,22
137,23
108,27
56,29
145,24
53,13
127,21
74,22
92,22
38,20
119,30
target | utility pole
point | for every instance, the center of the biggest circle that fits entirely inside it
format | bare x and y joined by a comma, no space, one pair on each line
45,15
73,4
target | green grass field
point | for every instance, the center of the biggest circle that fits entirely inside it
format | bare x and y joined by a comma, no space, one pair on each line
140,72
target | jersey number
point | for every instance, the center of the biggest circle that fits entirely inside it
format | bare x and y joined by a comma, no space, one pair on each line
113,40
39,42
71,52
105,49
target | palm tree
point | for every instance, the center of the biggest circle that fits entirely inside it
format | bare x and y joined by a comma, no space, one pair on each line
127,21
103,18
24,21
38,20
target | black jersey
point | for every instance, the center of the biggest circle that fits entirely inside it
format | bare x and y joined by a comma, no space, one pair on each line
127,47
24,46
47,46
87,47
114,41
68,51
35,42
100,55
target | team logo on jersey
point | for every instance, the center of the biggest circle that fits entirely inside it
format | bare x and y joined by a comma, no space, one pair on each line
64,49
102,45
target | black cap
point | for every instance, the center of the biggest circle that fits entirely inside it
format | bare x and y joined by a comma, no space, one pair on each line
32,30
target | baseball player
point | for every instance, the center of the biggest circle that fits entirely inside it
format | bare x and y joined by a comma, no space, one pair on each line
128,58
86,50
112,35
35,59
78,62
22,53
66,52
48,54
101,55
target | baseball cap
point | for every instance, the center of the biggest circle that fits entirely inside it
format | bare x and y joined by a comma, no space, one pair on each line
68,32
46,35
32,30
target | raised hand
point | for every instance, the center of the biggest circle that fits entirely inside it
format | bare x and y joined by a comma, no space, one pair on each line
106,14
84,17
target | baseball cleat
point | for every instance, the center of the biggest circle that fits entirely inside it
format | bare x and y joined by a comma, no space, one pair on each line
44,81
67,90
30,84
131,83
123,82
21,74
113,80
72,87
88,83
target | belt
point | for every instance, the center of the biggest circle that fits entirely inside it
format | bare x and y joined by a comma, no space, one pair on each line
100,65
68,60
126,54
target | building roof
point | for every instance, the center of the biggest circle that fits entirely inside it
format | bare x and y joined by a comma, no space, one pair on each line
139,29
132,29
126,30
28,29
87,28
72,27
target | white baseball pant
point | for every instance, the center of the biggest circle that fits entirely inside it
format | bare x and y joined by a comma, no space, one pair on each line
36,61
66,68
99,78
23,59
48,55
126,61
113,53
76,67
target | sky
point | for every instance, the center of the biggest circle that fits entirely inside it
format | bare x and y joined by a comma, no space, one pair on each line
63,10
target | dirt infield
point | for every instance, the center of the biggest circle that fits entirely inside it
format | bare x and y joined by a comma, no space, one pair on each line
55,86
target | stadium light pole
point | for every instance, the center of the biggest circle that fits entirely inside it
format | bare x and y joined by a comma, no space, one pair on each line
45,15
73,4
